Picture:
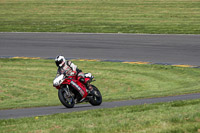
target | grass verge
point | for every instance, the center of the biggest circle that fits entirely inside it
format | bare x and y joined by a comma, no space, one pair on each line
28,83
173,117
101,16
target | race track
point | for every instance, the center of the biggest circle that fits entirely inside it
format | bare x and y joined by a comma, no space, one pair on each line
167,49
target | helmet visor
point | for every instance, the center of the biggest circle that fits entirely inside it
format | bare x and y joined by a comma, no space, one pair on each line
59,62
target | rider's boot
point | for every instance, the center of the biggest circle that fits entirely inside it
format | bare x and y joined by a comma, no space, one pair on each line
89,87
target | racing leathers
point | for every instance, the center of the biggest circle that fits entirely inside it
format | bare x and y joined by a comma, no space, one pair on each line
70,69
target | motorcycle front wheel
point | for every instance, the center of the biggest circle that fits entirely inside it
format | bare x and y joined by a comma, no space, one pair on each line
96,98
66,99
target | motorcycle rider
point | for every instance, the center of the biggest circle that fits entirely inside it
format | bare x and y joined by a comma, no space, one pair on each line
70,69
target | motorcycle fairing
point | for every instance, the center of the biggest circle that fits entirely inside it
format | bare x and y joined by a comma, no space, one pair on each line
79,89
76,85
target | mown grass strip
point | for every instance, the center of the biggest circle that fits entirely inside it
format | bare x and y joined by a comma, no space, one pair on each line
178,117
97,16
28,83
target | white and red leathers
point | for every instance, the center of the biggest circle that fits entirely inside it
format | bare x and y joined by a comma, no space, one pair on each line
68,68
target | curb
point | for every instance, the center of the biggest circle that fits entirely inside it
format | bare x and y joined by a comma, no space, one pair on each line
101,60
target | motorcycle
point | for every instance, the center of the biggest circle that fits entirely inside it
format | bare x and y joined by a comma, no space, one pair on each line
72,91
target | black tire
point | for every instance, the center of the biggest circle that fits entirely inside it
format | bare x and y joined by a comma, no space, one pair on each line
96,100
67,101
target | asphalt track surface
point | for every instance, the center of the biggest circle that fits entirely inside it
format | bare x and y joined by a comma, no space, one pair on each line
29,112
164,49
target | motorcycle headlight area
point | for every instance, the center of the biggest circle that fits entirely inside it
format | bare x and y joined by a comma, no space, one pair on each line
58,80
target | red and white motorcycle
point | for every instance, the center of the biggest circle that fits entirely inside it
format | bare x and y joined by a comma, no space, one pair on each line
72,91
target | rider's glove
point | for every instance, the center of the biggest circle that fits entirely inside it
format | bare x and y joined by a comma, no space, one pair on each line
64,73
73,73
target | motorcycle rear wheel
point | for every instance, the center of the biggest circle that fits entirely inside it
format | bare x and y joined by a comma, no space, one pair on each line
66,100
97,99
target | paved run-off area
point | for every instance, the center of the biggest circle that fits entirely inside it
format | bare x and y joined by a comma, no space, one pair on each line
29,112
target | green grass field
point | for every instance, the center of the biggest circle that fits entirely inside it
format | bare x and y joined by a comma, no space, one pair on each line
174,117
28,83
101,16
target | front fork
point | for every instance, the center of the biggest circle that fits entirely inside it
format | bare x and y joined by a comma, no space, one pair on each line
66,89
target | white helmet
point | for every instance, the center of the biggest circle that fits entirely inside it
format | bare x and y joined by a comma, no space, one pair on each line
60,61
